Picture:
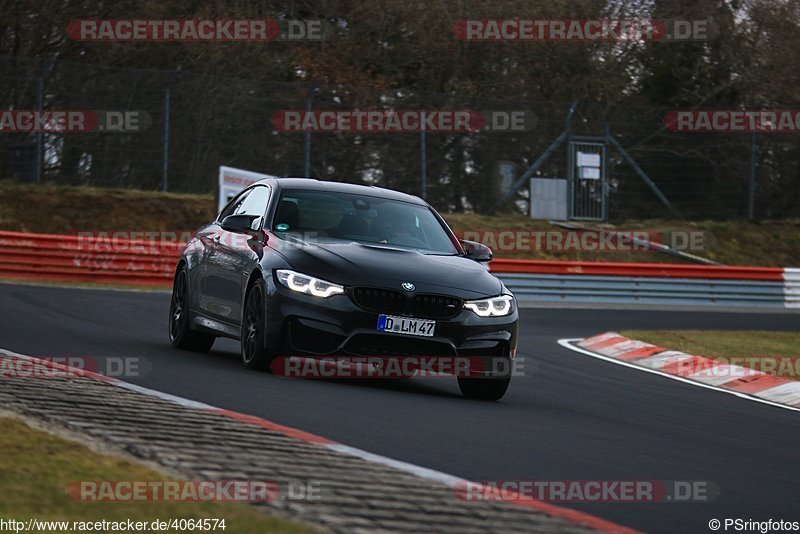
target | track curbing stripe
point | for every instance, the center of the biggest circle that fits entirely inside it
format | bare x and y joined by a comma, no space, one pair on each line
573,345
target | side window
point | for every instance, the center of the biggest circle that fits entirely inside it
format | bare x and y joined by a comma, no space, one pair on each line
232,205
255,203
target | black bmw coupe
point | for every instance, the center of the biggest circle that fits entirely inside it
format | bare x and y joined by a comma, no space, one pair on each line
301,268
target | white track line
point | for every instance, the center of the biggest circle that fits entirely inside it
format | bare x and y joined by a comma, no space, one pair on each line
417,470
568,344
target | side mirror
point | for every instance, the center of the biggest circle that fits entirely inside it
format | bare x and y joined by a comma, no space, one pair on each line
240,224
477,251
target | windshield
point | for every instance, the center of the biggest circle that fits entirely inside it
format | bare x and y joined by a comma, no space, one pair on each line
341,217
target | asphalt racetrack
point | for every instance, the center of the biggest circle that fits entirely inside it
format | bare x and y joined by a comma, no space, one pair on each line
571,417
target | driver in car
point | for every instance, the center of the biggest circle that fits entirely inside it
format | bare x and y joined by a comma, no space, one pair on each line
400,228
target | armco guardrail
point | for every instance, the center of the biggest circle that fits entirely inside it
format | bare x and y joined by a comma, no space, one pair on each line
86,259
94,259
647,283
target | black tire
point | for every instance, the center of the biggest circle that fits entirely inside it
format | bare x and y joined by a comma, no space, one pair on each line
486,389
255,354
181,336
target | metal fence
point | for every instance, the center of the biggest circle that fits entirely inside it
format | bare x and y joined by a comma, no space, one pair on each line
200,122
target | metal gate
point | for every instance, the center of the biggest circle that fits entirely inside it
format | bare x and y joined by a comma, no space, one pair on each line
588,184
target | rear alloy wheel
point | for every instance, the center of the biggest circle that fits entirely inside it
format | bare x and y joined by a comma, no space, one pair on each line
181,336
254,351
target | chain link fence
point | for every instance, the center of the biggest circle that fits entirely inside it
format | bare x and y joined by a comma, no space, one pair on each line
200,122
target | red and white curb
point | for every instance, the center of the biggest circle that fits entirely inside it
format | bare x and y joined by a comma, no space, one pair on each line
451,481
696,370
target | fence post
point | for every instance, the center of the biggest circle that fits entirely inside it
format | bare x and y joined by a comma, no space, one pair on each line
307,146
39,136
423,163
165,141
165,133
751,189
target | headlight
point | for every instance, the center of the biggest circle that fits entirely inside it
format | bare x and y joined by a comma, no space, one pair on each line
309,285
492,307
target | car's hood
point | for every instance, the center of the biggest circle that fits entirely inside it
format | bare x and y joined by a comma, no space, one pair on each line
356,264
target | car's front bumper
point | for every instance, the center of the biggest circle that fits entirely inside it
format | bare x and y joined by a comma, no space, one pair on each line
299,324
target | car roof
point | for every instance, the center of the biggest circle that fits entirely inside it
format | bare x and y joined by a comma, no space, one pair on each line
312,184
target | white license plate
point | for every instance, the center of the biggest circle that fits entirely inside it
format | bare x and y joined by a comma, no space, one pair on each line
406,325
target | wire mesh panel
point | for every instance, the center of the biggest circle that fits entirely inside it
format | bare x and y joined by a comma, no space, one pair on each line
587,179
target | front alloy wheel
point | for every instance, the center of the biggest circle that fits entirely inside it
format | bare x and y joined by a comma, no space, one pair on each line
488,387
255,354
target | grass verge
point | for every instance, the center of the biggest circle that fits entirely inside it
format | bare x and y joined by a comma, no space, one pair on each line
776,353
37,467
